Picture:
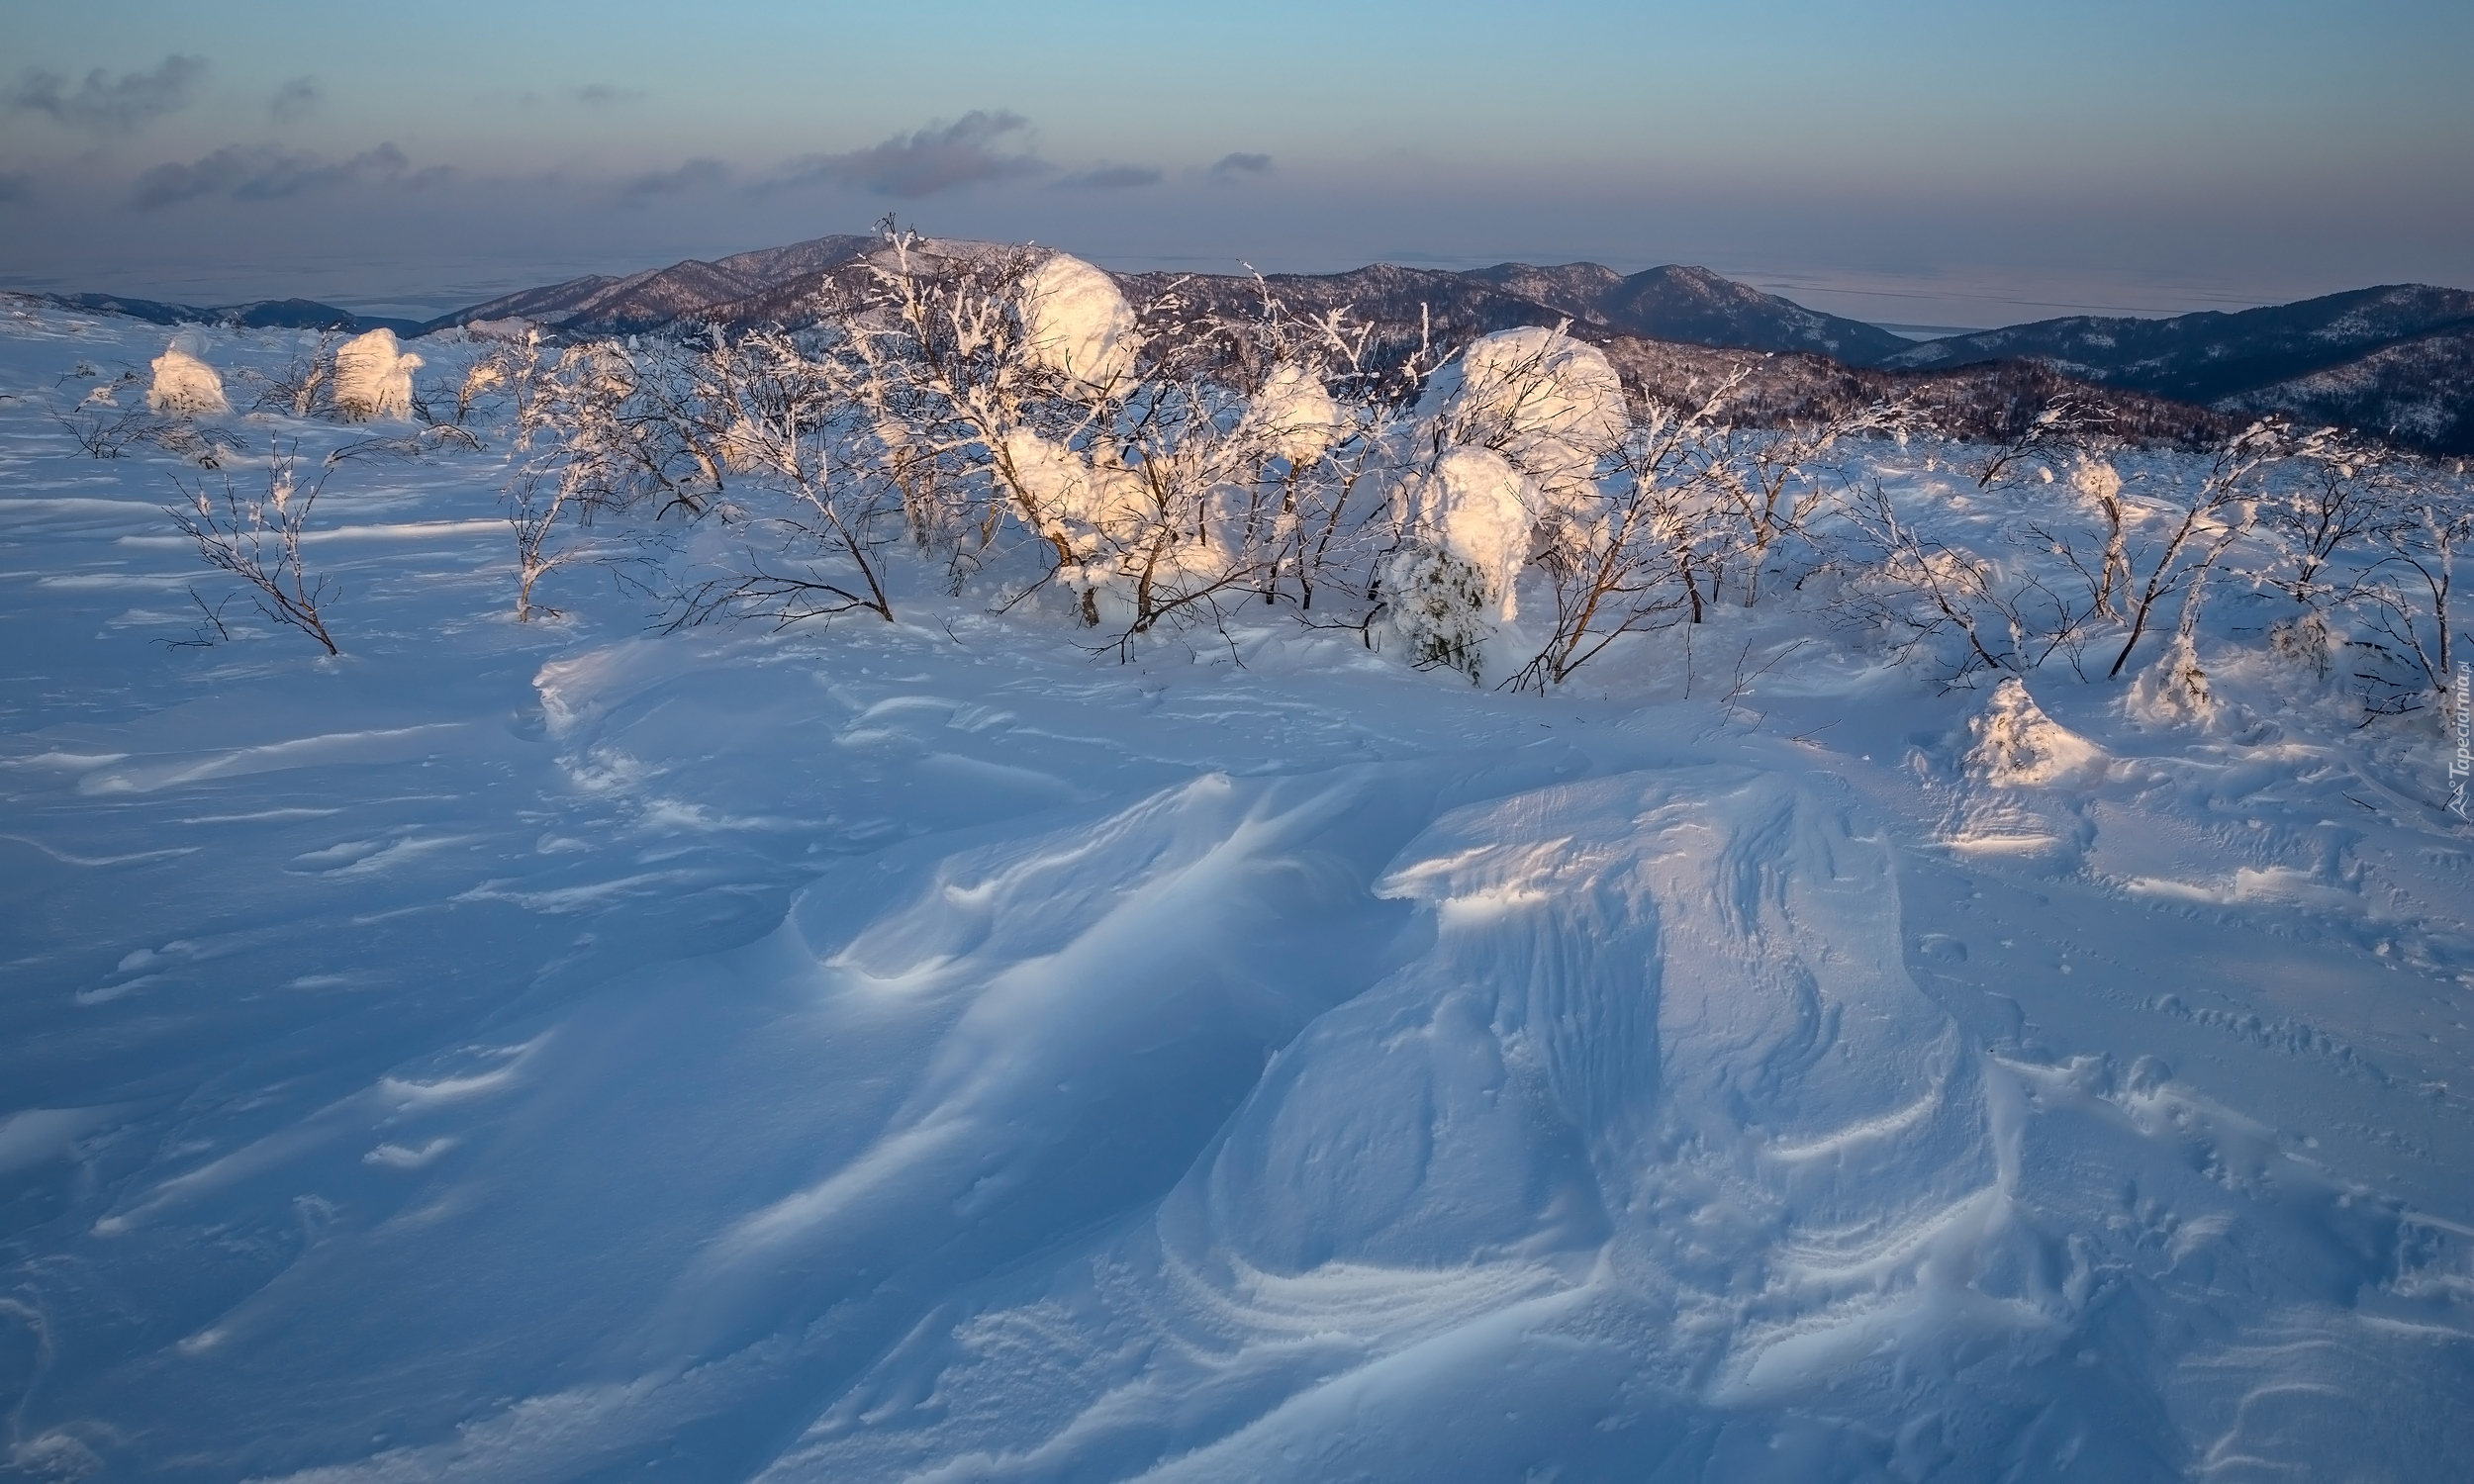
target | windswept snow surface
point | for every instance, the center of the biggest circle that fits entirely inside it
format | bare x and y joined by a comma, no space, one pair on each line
916,1051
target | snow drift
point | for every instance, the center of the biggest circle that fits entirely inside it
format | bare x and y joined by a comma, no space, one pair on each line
1656,1150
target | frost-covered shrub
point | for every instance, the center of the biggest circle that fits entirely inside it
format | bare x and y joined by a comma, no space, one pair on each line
1294,417
184,385
2307,644
2096,480
1465,525
1077,323
1549,403
2098,484
1087,506
374,378
1434,607
629,427
258,539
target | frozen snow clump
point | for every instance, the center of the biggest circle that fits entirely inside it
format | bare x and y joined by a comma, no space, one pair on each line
1062,485
1477,506
1077,323
2019,746
184,384
373,378
2096,481
1295,414
1547,402
1456,576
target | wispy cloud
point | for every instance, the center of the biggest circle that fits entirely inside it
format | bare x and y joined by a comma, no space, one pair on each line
969,150
693,175
608,95
106,104
295,98
1110,178
1240,166
264,172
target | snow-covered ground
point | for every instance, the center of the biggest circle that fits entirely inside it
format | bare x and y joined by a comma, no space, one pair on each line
558,1052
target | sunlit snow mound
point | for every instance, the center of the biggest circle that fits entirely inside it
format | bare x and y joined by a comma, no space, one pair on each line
1550,404
183,383
374,378
1076,323
2018,746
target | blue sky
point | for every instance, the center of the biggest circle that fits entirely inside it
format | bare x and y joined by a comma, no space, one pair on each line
1920,160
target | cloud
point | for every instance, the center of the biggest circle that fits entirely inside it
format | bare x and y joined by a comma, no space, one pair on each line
1110,178
295,98
1234,167
264,172
608,95
106,104
939,157
695,175
16,186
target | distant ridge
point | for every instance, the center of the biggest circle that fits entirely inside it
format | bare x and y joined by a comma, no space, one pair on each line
263,313
2212,354
1686,305
1696,307
1683,305
602,305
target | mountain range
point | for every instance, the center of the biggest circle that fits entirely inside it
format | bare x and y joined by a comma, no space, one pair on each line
261,314
2397,360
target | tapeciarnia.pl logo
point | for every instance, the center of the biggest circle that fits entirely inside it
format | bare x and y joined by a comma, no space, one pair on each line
2461,761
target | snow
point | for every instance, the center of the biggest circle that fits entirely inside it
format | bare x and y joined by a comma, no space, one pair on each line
554,1051
374,378
1077,323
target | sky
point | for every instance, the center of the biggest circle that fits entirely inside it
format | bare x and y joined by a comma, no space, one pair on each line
1918,162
